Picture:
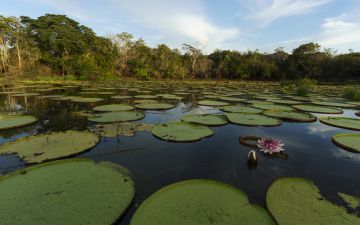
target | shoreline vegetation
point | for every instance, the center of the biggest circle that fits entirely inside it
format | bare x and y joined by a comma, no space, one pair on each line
55,47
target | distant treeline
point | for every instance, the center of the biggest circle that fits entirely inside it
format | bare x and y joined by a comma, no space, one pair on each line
58,45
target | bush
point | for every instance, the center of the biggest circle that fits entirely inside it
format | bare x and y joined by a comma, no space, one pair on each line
304,86
352,93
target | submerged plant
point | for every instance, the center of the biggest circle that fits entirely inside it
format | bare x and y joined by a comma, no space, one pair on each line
270,145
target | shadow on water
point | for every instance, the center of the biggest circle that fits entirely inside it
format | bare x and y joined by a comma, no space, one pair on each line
155,163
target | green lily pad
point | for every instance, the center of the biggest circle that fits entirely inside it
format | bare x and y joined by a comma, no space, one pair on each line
195,202
250,119
240,109
348,141
333,104
86,100
297,201
25,94
8,122
146,96
126,129
318,109
41,148
112,117
352,201
114,107
291,115
121,97
213,103
154,106
72,191
231,99
284,101
343,122
205,119
181,131
272,107
146,101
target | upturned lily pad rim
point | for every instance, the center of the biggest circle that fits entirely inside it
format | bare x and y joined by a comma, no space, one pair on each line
321,119
333,139
34,120
244,140
243,200
116,167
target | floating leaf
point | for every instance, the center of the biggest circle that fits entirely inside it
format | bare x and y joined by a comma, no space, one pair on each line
333,104
240,109
297,201
40,148
112,117
8,122
206,119
126,129
195,202
348,141
272,107
352,201
291,115
114,107
181,131
154,106
72,191
213,103
86,100
249,119
343,122
318,109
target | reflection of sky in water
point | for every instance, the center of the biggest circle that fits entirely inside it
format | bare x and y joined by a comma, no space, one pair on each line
155,163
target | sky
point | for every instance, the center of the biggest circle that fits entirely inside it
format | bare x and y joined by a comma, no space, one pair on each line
212,24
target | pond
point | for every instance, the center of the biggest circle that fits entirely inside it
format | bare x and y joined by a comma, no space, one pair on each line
154,162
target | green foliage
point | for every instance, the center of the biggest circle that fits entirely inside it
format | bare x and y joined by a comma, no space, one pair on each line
304,86
352,93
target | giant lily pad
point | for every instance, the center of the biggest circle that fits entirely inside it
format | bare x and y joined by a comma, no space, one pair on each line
206,119
154,106
40,148
195,202
126,129
352,201
8,122
121,97
291,115
250,119
72,191
114,107
343,122
333,104
112,117
318,109
240,109
297,201
284,101
213,103
348,141
86,100
272,107
181,131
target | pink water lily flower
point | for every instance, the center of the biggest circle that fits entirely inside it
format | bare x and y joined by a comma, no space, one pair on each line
270,145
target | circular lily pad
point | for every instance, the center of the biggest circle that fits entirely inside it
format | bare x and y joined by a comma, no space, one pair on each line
181,131
121,97
249,119
348,141
343,122
318,109
297,201
284,101
154,106
198,202
333,104
206,119
213,103
86,100
291,115
8,122
250,141
114,107
240,109
112,117
146,96
40,148
72,191
272,107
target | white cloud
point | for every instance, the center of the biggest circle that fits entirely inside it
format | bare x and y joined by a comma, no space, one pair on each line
341,32
178,22
266,11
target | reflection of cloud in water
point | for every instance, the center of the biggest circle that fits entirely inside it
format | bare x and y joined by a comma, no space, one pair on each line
338,152
320,130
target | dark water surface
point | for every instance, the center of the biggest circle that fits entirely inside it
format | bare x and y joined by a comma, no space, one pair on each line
155,163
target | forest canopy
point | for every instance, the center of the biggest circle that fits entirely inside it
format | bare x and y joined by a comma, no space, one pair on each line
55,45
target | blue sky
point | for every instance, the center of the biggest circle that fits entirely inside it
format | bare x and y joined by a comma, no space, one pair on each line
232,24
